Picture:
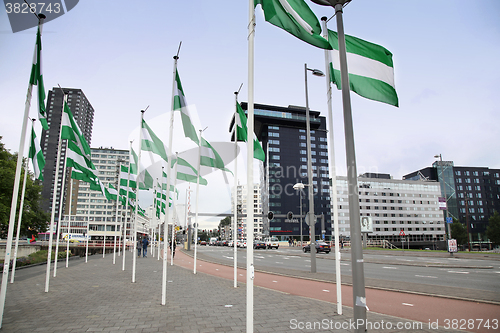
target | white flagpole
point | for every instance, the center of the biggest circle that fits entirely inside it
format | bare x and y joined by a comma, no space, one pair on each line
15,192
197,200
250,199
117,205
174,210
333,172
235,196
69,220
87,235
18,231
134,261
167,210
155,205
63,183
124,245
54,197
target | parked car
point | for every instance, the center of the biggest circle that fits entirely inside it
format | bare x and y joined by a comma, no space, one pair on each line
272,242
230,243
257,244
242,243
203,243
225,242
320,247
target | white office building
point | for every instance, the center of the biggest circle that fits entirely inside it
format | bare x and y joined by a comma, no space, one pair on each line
397,207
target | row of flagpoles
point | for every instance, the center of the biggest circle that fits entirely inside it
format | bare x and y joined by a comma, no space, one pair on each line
371,76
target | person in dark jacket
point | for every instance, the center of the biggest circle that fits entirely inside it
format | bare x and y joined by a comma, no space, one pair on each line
145,243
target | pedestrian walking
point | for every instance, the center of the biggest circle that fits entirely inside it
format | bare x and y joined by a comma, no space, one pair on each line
145,243
173,249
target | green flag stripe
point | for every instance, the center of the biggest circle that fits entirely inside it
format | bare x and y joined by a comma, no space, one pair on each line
295,17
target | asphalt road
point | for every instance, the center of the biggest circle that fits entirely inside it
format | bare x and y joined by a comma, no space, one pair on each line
477,274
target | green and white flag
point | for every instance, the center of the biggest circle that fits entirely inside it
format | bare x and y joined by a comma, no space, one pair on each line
71,132
297,18
370,66
36,79
210,157
241,133
145,179
124,179
150,142
181,105
36,155
172,187
186,172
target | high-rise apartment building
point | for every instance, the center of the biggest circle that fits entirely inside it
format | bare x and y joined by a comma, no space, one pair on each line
241,197
83,112
282,131
91,213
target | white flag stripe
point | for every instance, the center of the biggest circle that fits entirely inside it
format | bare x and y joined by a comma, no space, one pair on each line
296,16
146,136
185,170
366,67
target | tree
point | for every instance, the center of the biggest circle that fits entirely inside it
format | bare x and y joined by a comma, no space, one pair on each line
493,229
458,232
34,220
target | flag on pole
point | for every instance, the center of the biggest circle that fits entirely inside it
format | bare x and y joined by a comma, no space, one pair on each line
210,157
71,132
150,142
370,66
36,79
145,179
173,190
297,18
124,179
36,155
242,135
181,105
187,172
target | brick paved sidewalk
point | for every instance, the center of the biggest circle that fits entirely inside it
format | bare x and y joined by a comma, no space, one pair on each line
99,297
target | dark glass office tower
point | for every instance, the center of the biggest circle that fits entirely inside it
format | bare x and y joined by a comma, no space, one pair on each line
282,131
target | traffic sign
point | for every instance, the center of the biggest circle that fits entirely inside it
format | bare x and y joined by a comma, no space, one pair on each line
401,233
449,220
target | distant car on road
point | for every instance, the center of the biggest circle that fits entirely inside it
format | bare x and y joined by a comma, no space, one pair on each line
242,243
272,242
257,244
320,247
203,243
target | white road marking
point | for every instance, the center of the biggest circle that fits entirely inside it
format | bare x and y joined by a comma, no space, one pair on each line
275,281
278,262
458,272
407,304
390,267
427,276
326,291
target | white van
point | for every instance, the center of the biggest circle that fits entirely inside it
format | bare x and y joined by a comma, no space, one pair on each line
272,242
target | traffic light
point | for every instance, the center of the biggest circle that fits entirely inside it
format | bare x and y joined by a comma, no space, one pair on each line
289,215
270,215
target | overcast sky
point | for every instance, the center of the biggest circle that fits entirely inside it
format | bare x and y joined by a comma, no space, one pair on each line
121,55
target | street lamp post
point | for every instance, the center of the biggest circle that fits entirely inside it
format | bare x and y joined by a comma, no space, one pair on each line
300,187
358,281
312,218
447,226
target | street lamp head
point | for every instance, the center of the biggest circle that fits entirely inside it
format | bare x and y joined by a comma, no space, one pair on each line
437,156
330,2
317,72
298,186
